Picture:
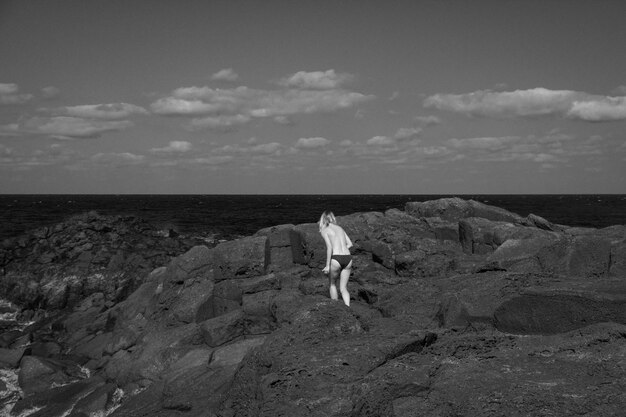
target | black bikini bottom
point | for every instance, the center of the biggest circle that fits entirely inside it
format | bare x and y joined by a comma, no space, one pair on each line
344,260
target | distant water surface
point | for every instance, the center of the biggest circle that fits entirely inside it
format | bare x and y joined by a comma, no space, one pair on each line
230,216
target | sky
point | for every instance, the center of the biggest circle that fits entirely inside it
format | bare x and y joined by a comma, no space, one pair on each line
312,97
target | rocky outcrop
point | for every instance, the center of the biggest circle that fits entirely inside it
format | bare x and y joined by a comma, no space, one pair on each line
458,308
56,267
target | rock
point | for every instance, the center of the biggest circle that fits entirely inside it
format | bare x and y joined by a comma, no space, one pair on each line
541,223
494,374
233,353
560,310
455,209
432,258
154,353
94,347
96,402
227,297
240,258
40,374
223,329
279,247
57,401
458,308
10,358
58,267
8,337
278,379
45,349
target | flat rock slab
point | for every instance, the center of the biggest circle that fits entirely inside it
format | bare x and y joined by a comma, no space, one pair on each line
309,367
582,372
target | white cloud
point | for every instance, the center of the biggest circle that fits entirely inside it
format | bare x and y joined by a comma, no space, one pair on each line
266,148
282,120
312,143
316,80
52,155
118,159
9,94
113,111
532,102
407,133
173,106
176,146
598,110
620,91
62,127
428,120
50,92
487,143
224,122
381,141
231,107
8,88
5,150
252,148
212,160
226,74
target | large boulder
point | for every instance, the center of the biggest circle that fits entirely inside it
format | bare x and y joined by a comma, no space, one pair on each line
455,209
278,379
241,258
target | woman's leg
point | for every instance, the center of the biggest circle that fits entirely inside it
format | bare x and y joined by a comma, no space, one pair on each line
343,284
332,279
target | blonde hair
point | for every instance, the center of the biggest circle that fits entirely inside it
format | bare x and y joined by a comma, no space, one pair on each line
327,218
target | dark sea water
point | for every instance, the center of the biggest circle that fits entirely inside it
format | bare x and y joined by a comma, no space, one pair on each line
227,216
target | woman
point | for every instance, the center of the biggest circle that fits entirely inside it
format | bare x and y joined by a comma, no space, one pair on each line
338,258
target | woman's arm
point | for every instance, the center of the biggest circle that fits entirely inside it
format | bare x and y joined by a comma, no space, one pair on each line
348,241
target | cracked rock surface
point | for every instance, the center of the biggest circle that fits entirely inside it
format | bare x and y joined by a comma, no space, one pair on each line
458,309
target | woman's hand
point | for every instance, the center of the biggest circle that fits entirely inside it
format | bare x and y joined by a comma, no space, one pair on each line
326,269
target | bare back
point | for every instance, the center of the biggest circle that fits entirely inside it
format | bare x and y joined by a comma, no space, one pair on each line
338,239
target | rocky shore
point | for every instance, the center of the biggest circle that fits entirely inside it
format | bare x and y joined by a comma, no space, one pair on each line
459,309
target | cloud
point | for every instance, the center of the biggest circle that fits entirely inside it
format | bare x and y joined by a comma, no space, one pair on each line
552,148
118,159
52,155
487,143
226,122
5,150
173,106
6,89
226,74
282,120
620,91
176,146
9,94
212,160
252,148
62,127
381,141
312,143
316,80
50,92
266,148
428,120
599,110
114,111
532,102
236,106
405,133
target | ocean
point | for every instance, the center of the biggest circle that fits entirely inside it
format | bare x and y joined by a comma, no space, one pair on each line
231,216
